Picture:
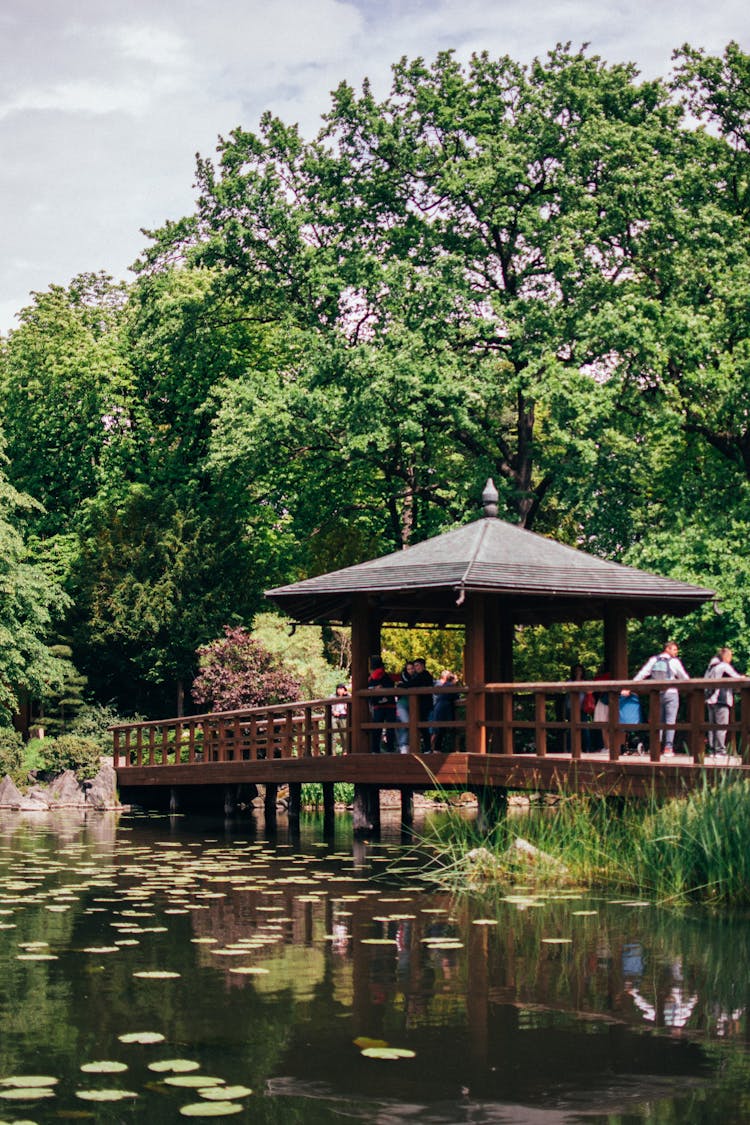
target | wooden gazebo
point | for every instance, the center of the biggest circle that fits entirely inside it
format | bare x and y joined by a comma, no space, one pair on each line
489,576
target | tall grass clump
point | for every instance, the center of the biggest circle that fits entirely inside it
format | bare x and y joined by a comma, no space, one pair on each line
684,849
698,846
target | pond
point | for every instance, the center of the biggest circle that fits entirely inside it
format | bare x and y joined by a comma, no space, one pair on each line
155,968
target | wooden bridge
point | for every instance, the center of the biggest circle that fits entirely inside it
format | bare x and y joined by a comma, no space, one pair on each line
487,579
523,744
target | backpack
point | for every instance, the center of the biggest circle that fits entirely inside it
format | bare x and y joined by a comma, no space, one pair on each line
712,694
661,669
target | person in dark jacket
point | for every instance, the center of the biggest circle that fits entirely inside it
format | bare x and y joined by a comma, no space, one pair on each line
423,679
382,707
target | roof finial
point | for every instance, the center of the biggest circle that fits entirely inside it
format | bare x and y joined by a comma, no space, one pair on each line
490,497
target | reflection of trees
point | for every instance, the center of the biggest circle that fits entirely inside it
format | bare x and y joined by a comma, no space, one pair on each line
504,995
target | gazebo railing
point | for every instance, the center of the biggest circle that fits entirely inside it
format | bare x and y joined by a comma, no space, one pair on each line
541,719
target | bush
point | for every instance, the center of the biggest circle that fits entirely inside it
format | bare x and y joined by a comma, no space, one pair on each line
72,752
93,721
11,752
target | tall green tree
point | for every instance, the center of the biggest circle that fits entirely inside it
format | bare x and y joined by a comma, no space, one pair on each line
64,377
30,601
459,252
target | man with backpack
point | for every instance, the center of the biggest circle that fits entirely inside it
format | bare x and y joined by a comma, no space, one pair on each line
719,700
665,666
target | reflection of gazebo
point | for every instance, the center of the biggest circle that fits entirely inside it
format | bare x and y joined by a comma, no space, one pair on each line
488,576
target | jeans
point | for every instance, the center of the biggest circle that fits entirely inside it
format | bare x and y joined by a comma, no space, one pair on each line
402,735
669,705
718,713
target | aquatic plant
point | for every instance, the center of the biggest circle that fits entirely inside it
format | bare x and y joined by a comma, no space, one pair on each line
691,848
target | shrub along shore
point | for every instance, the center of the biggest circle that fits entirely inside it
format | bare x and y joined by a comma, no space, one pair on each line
689,849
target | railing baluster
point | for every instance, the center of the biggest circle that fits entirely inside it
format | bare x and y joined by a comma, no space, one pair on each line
540,721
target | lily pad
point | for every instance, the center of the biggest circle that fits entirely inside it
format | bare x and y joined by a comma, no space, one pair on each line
210,1109
156,974
141,1037
388,1053
193,1080
556,940
364,1041
225,1093
176,1066
105,1095
106,1066
26,1093
29,1080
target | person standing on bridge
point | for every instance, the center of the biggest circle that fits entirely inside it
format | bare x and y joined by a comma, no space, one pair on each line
423,679
719,700
382,707
665,665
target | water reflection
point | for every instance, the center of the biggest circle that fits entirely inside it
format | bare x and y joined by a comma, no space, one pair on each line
289,949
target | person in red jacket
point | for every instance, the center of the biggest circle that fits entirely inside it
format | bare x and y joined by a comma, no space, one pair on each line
382,707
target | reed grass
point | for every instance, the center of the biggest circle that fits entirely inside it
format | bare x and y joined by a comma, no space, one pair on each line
686,849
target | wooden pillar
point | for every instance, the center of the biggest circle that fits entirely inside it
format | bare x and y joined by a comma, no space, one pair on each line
366,809
474,674
407,804
616,643
230,800
295,800
269,801
328,800
365,643
489,659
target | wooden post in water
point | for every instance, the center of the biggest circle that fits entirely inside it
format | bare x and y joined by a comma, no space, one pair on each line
407,804
269,801
366,809
295,800
328,800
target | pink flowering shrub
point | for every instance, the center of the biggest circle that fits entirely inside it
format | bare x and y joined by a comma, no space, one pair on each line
237,672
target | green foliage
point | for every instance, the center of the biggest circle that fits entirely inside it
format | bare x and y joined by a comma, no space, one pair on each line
312,794
11,752
72,752
93,721
496,269
441,648
64,382
59,705
30,602
301,653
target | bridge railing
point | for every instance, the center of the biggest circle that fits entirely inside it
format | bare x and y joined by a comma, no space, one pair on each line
544,718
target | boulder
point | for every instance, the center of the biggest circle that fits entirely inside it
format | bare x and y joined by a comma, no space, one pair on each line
10,798
524,851
101,792
36,800
64,792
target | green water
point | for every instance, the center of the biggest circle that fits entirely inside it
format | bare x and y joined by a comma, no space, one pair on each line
285,955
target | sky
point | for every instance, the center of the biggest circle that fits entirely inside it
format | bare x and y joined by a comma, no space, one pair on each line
104,105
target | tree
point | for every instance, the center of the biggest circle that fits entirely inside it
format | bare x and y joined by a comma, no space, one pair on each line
237,672
64,379
29,603
457,255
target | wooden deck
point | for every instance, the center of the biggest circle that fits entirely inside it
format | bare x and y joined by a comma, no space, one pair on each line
515,735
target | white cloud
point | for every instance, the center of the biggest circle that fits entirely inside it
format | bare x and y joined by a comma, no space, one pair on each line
102,108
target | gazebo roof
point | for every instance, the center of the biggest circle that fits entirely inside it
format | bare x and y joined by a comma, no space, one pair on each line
538,579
